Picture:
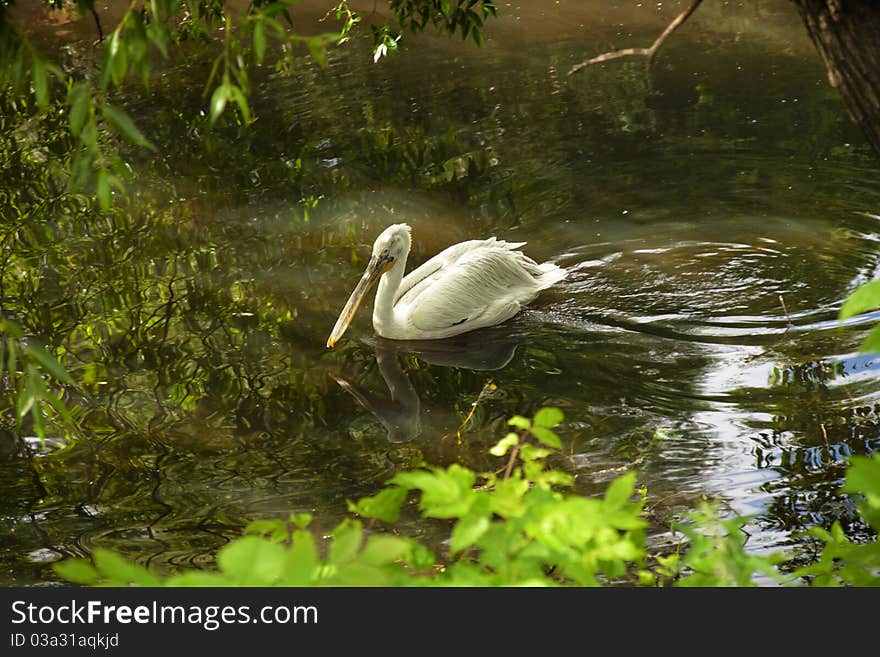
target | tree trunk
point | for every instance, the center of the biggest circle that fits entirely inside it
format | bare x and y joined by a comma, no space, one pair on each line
847,35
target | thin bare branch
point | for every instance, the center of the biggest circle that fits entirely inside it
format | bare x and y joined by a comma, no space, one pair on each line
651,52
98,25
514,453
785,310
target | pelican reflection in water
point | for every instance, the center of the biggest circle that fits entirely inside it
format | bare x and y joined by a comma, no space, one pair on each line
401,413
467,286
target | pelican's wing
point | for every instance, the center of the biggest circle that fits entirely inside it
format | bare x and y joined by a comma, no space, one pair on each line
422,276
482,286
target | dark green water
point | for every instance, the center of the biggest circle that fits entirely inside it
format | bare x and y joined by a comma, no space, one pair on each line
684,204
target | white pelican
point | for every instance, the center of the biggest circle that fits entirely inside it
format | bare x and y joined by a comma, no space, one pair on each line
467,286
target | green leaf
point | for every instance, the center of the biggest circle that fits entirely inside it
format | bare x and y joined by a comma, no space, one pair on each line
445,493
89,138
239,98
385,505
520,422
59,406
41,81
478,36
546,436
48,363
117,58
102,190
419,556
11,329
300,560
359,574
26,399
214,68
252,561
218,101
468,530
123,124
273,528
120,571
548,417
535,471
17,70
12,358
871,344
39,427
863,476
137,47
533,453
157,33
198,579
620,491
383,550
346,542
317,50
416,480
260,41
78,571
507,497
301,520
865,297
79,100
502,446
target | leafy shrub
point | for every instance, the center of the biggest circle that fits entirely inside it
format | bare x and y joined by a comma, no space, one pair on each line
514,527
843,562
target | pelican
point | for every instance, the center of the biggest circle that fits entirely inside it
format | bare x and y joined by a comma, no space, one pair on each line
467,286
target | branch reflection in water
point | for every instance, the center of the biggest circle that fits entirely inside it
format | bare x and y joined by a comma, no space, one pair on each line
482,350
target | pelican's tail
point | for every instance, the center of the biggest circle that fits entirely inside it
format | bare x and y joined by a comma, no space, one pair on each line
550,275
544,274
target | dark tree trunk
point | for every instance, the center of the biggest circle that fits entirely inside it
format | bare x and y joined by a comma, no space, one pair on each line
847,35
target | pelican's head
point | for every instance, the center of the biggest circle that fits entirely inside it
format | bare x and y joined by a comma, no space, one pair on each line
390,247
393,242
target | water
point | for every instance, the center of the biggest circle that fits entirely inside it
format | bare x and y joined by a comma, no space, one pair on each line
688,205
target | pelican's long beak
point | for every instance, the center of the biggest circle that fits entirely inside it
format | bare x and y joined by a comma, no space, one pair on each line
376,267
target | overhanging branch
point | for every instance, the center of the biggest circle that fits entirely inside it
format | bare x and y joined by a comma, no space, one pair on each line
641,52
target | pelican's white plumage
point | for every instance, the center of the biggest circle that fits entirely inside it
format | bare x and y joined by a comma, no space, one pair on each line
467,286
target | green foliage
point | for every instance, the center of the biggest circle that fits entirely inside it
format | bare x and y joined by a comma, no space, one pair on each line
464,17
866,297
842,562
149,33
34,375
519,529
276,554
716,554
